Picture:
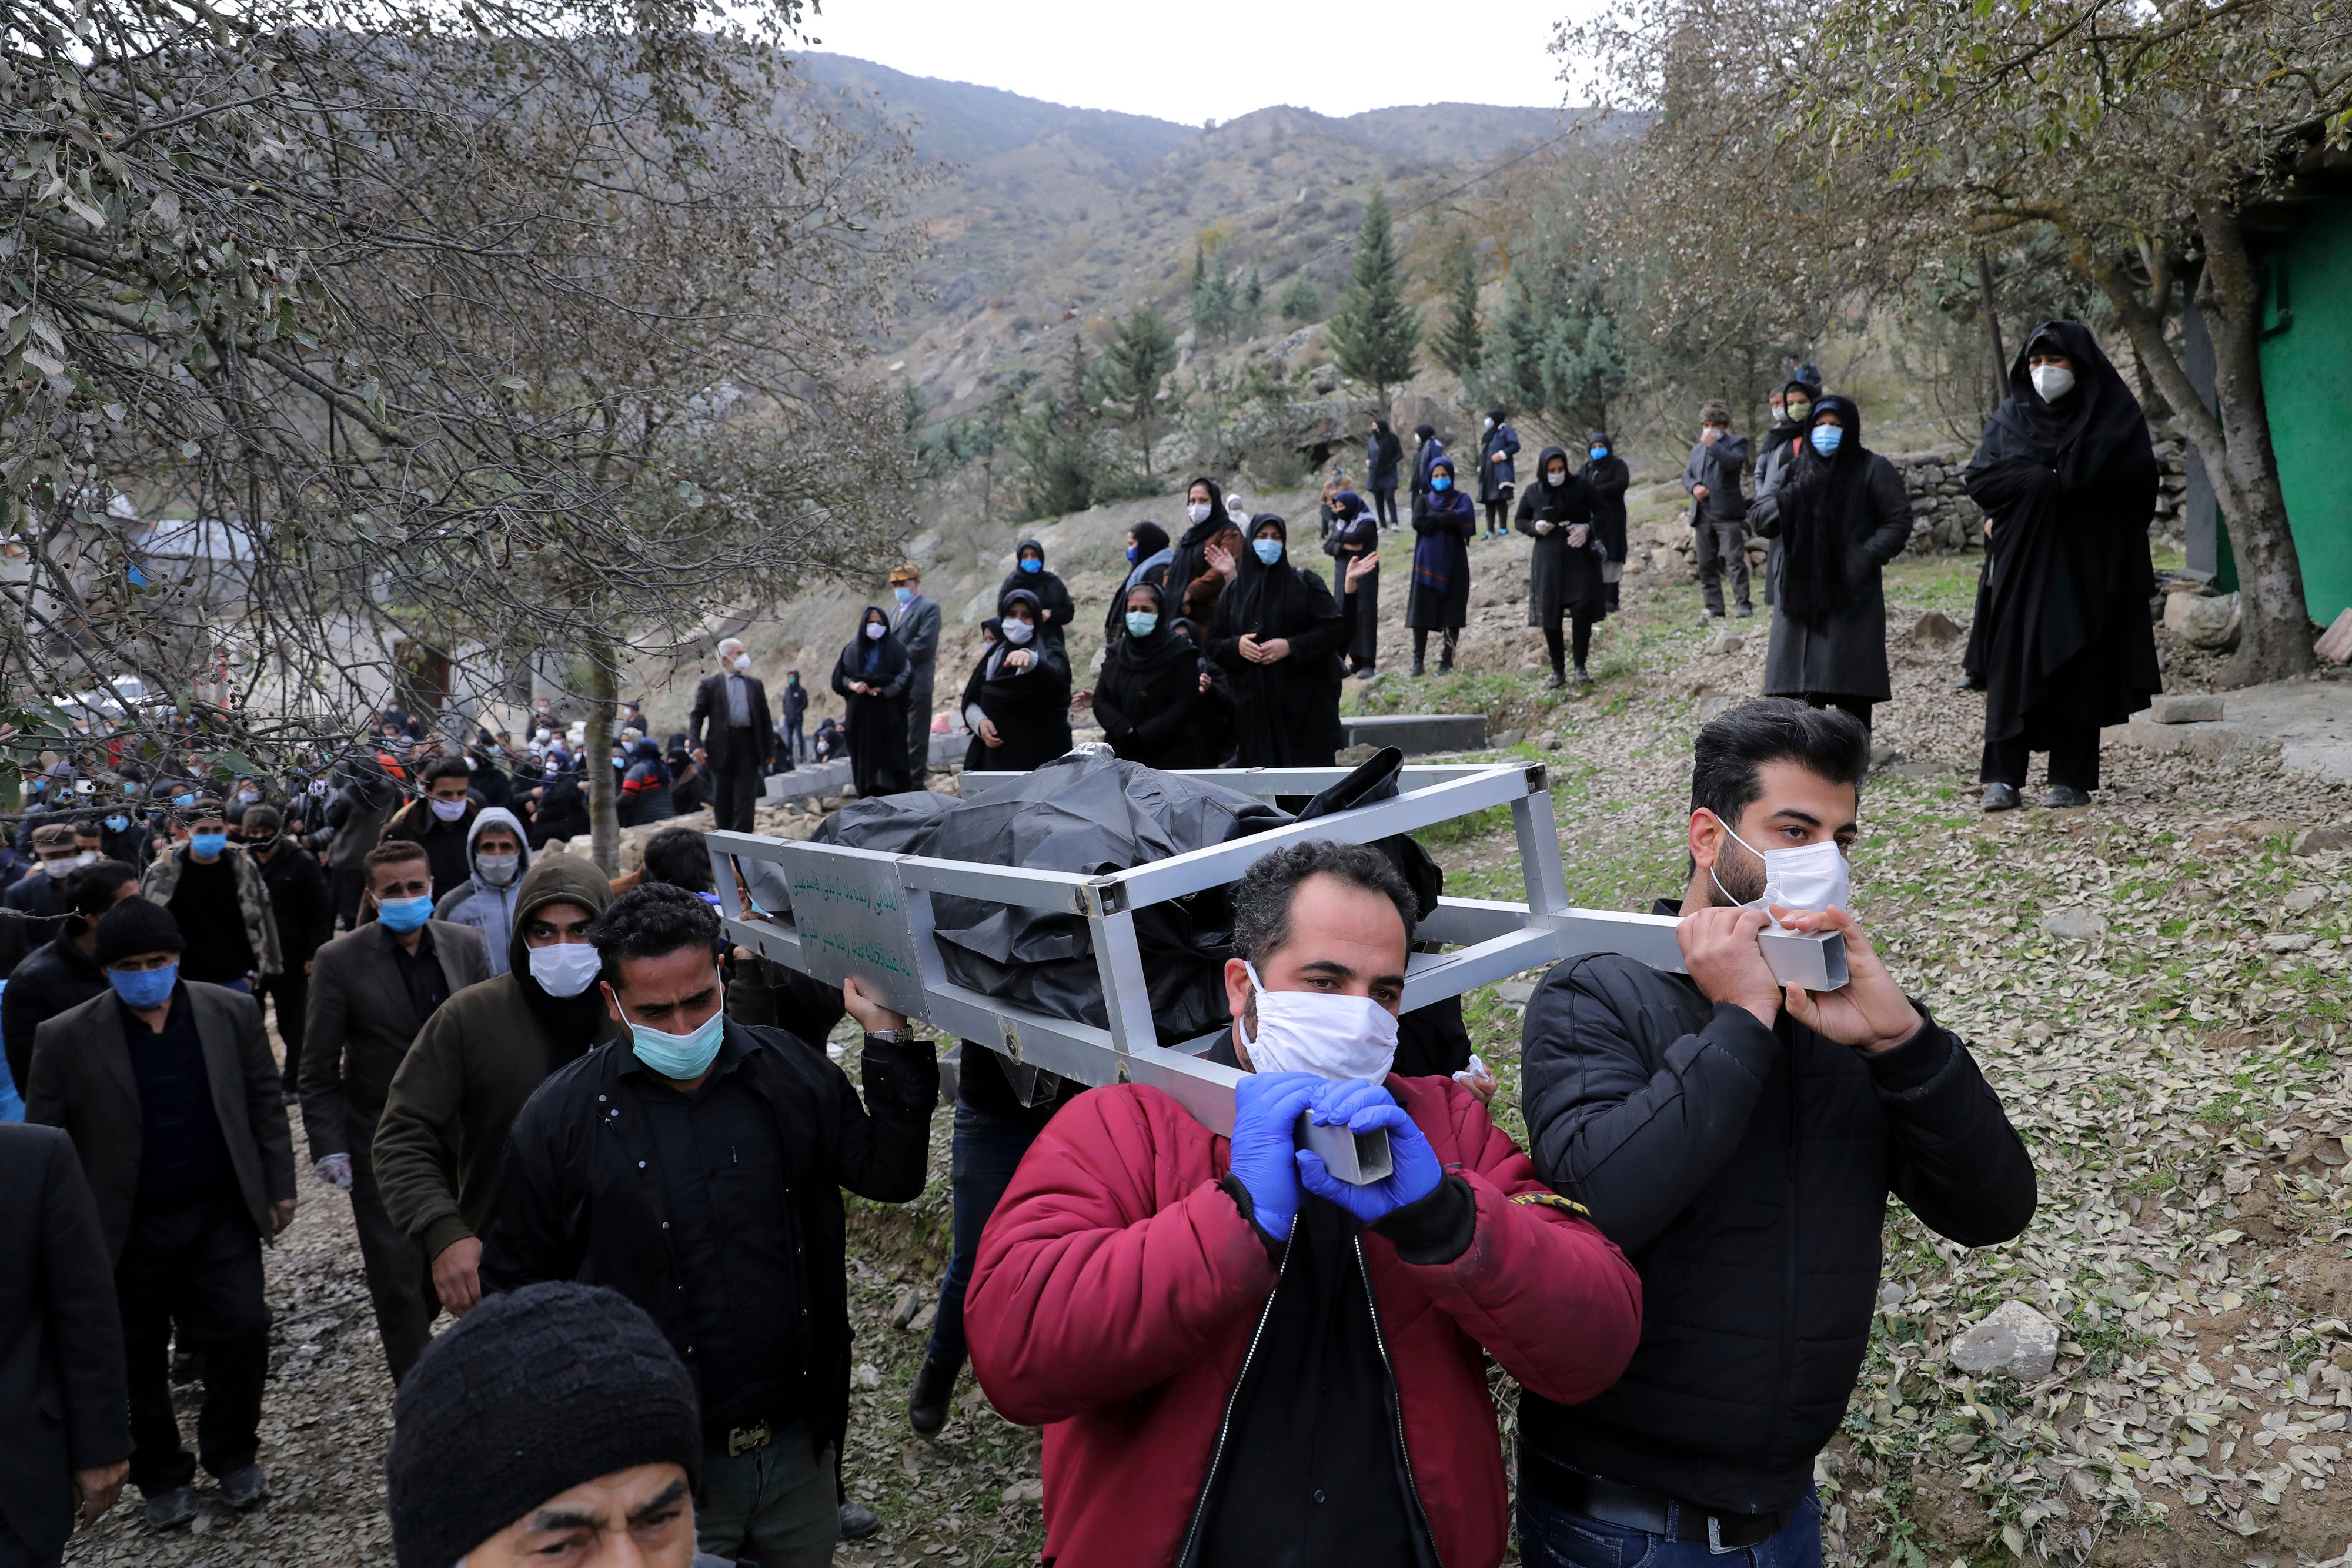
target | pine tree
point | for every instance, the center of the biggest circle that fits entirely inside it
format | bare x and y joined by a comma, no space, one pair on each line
1253,311
1373,331
1458,343
1136,361
1301,300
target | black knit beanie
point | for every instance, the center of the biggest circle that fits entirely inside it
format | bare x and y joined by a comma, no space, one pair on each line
137,926
533,1392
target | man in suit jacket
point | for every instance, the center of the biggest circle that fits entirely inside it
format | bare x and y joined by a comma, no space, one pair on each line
61,1351
167,1088
734,735
370,990
916,623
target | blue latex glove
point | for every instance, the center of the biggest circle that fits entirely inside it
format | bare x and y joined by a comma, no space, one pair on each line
1362,1106
1265,1112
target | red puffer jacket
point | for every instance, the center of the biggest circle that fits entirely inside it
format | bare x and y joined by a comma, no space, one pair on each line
1117,1288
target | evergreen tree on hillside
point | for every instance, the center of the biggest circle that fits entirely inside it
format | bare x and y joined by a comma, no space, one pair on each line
1056,445
1253,308
1216,305
1554,350
1373,331
1132,368
1457,343
1301,300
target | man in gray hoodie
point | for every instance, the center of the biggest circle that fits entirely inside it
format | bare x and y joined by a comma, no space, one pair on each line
1718,507
498,851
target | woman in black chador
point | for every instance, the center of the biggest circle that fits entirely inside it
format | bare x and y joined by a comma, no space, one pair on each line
1277,633
2067,475
871,676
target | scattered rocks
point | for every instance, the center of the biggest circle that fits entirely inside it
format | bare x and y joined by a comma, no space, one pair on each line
1714,706
866,1374
2287,942
1883,756
909,1305
1518,993
1503,738
1030,1490
2013,1338
2077,922
2209,624
1936,629
2319,840
2183,707
1724,643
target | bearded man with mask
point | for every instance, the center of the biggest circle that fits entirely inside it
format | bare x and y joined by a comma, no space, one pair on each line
1239,1358
610,1178
370,990
1740,1140
500,851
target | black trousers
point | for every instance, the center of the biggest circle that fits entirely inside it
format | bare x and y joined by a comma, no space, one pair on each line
1384,510
735,785
399,1275
344,885
1581,629
291,994
2074,757
1858,706
1498,513
918,733
796,747
196,1262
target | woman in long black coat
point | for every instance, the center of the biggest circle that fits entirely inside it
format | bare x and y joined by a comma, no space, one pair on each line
1148,697
1149,557
2067,475
1839,513
871,676
1055,606
1382,455
1018,698
1605,474
1212,721
1564,565
1356,536
1277,633
1438,599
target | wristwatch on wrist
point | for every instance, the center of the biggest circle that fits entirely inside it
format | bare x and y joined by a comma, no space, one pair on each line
898,1036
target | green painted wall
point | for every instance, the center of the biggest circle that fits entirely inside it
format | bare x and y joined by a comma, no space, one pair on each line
2307,383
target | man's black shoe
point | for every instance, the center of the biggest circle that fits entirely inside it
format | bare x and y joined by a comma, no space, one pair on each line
927,1407
2000,797
2066,795
243,1486
858,1521
171,1509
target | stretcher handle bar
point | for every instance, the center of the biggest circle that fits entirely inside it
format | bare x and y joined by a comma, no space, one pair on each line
1218,864
1265,783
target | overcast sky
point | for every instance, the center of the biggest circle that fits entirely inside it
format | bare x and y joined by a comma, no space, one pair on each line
1205,60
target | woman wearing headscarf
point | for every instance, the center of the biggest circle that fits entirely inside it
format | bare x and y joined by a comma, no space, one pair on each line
1792,416
646,794
1445,519
1277,633
1147,698
1194,581
2066,476
562,809
1055,606
1357,537
871,677
1017,700
1382,455
1148,556
1839,512
1605,474
1212,722
1564,566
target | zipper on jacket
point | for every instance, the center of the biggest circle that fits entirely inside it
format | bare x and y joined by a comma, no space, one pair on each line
1379,1338
1225,1422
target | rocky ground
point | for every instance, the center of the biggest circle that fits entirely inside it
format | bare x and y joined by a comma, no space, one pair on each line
2155,986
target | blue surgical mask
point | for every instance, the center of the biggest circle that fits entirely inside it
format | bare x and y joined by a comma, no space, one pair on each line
1597,453
208,846
1826,439
1030,565
184,800
404,914
144,988
1268,551
1130,552
117,823
1140,623
1442,482
679,1056
903,595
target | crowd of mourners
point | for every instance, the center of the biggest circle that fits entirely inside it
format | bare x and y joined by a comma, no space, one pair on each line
610,1148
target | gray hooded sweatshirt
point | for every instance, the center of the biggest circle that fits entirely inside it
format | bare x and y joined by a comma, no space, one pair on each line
475,903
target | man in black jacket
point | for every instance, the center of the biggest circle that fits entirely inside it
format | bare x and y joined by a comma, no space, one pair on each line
298,898
61,974
60,1352
733,733
1739,1141
697,1169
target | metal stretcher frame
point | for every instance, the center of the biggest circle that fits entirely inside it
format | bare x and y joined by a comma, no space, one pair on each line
869,913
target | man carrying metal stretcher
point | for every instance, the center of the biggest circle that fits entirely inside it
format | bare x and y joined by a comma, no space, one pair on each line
1239,1358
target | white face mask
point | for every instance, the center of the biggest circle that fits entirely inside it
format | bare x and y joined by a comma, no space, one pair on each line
1198,511
447,810
1018,632
875,629
2052,381
497,870
565,969
1331,1037
741,663
1809,876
